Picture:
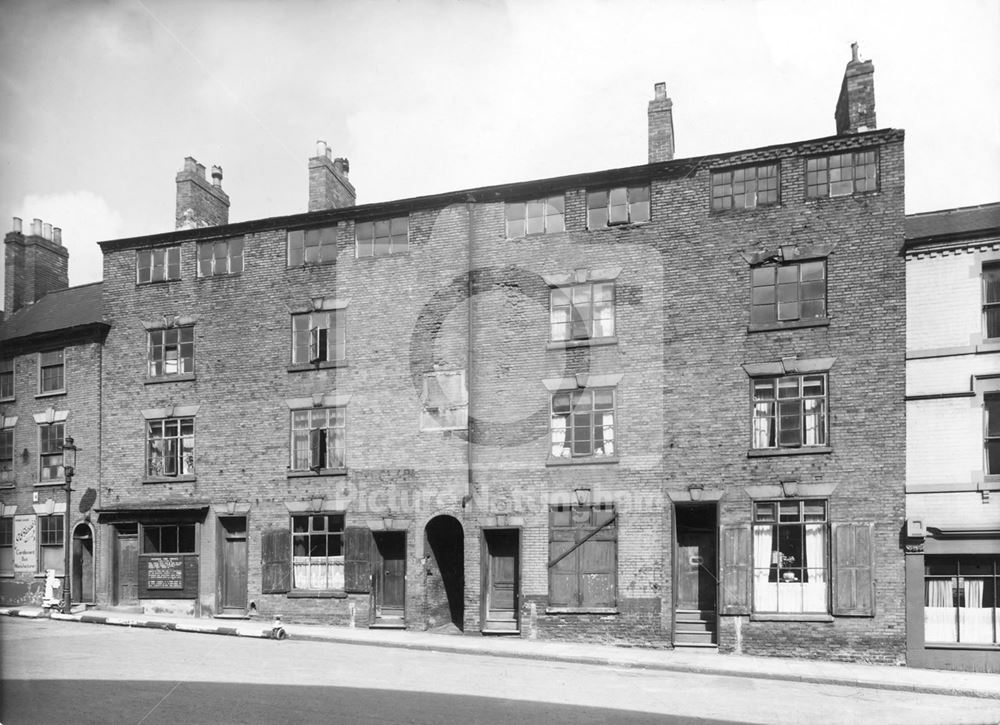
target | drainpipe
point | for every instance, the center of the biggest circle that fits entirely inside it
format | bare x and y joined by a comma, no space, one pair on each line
470,483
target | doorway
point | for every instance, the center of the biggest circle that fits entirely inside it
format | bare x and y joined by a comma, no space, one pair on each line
501,585
389,580
232,570
126,564
82,587
445,587
695,576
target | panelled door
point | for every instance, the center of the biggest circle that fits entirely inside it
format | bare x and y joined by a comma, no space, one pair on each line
501,568
233,563
127,565
389,579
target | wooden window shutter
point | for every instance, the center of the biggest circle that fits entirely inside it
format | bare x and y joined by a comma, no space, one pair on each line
357,559
276,561
853,570
735,567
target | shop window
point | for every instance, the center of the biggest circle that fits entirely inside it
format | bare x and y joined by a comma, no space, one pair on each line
583,556
6,545
789,411
318,439
788,292
789,556
960,599
539,216
220,257
621,205
50,543
157,265
50,452
168,539
582,311
843,174
319,337
312,246
171,351
382,238
745,188
583,423
170,447
51,372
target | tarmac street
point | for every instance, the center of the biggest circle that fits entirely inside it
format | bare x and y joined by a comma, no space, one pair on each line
63,671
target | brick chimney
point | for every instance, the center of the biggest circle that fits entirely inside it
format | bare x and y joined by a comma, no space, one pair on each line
329,187
661,125
36,263
200,203
856,105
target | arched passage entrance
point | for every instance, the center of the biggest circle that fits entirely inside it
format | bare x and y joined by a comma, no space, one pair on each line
445,590
83,564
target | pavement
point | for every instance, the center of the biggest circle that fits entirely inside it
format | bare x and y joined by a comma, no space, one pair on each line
701,661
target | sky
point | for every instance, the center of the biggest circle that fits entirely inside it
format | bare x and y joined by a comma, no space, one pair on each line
103,99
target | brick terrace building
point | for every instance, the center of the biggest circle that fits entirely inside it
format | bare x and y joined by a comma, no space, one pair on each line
953,438
659,405
51,346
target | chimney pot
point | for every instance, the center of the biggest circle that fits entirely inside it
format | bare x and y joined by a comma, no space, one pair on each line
217,176
17,224
321,149
36,227
329,187
200,169
661,125
854,52
660,89
46,231
190,164
57,235
855,111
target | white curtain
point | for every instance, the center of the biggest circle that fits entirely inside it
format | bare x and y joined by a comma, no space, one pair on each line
765,593
318,573
604,319
559,448
605,431
762,422
939,614
975,622
814,590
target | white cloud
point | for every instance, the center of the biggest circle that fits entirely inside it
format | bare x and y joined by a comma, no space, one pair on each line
85,219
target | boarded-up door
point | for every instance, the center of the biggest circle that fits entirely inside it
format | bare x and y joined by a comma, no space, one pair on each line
233,565
390,575
501,586
127,565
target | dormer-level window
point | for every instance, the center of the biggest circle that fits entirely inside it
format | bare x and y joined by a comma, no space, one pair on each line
745,188
157,265
621,205
843,174
382,238
539,216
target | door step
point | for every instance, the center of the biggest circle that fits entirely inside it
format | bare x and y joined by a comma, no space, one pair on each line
694,628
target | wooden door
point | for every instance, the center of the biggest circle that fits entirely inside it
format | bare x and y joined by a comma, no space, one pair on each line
390,574
502,565
83,565
233,566
695,570
127,566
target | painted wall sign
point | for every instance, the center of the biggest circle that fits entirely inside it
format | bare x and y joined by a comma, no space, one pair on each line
25,544
165,572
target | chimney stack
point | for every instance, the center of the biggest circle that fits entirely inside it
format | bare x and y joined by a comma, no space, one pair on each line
199,202
329,187
856,104
661,125
36,264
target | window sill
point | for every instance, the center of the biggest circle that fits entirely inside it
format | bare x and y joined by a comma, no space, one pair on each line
227,275
325,365
989,345
7,400
314,474
581,610
317,594
170,479
788,325
157,281
790,617
962,645
590,460
619,225
307,265
745,209
5,485
373,257
51,393
179,378
803,451
46,484
590,342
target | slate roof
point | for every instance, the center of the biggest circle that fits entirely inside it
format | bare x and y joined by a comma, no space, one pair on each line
964,221
66,309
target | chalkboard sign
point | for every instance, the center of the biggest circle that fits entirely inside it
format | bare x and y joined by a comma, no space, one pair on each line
165,572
